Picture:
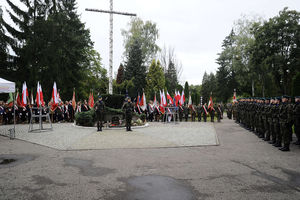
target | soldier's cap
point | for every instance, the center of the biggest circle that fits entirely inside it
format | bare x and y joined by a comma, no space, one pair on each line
286,96
297,97
127,98
278,98
268,99
99,96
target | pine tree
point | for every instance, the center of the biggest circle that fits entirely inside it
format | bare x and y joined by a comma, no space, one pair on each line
3,50
50,43
171,78
186,91
120,75
135,69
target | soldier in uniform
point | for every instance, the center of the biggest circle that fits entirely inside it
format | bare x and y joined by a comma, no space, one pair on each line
297,119
212,114
290,118
229,110
128,109
193,113
180,110
186,112
283,119
199,112
275,114
99,108
219,112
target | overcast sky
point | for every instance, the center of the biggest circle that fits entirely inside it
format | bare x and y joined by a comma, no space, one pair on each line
194,28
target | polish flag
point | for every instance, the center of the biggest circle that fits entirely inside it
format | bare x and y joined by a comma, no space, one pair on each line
234,96
170,98
74,101
211,104
143,102
190,101
24,94
54,94
39,96
138,100
91,100
177,97
19,102
182,99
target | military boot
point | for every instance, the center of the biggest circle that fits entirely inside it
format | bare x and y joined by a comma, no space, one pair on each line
285,148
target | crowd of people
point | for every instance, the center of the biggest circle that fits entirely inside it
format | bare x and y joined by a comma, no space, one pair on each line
272,119
64,112
181,113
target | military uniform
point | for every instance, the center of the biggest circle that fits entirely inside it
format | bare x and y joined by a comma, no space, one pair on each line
283,120
219,113
180,110
193,113
186,112
212,114
128,109
296,112
99,108
199,112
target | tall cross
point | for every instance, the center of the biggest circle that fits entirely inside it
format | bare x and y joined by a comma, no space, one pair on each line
111,12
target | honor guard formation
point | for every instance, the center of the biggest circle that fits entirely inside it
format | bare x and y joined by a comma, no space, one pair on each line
272,119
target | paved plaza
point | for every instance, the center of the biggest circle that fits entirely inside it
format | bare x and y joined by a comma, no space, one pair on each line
210,161
66,136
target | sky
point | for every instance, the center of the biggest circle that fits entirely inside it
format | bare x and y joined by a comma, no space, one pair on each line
194,28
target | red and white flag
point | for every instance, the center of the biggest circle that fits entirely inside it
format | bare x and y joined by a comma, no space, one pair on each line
211,104
19,102
39,96
91,100
143,103
190,101
177,98
138,101
54,94
182,98
24,94
74,101
234,96
170,98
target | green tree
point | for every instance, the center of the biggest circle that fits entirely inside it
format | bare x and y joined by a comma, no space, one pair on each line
49,43
171,78
3,50
155,79
120,74
135,69
146,33
95,77
277,48
186,91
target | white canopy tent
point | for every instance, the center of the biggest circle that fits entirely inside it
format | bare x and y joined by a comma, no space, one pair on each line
7,87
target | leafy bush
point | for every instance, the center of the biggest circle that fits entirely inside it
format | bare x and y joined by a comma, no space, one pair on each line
85,118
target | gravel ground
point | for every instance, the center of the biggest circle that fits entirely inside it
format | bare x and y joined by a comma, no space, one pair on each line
242,166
